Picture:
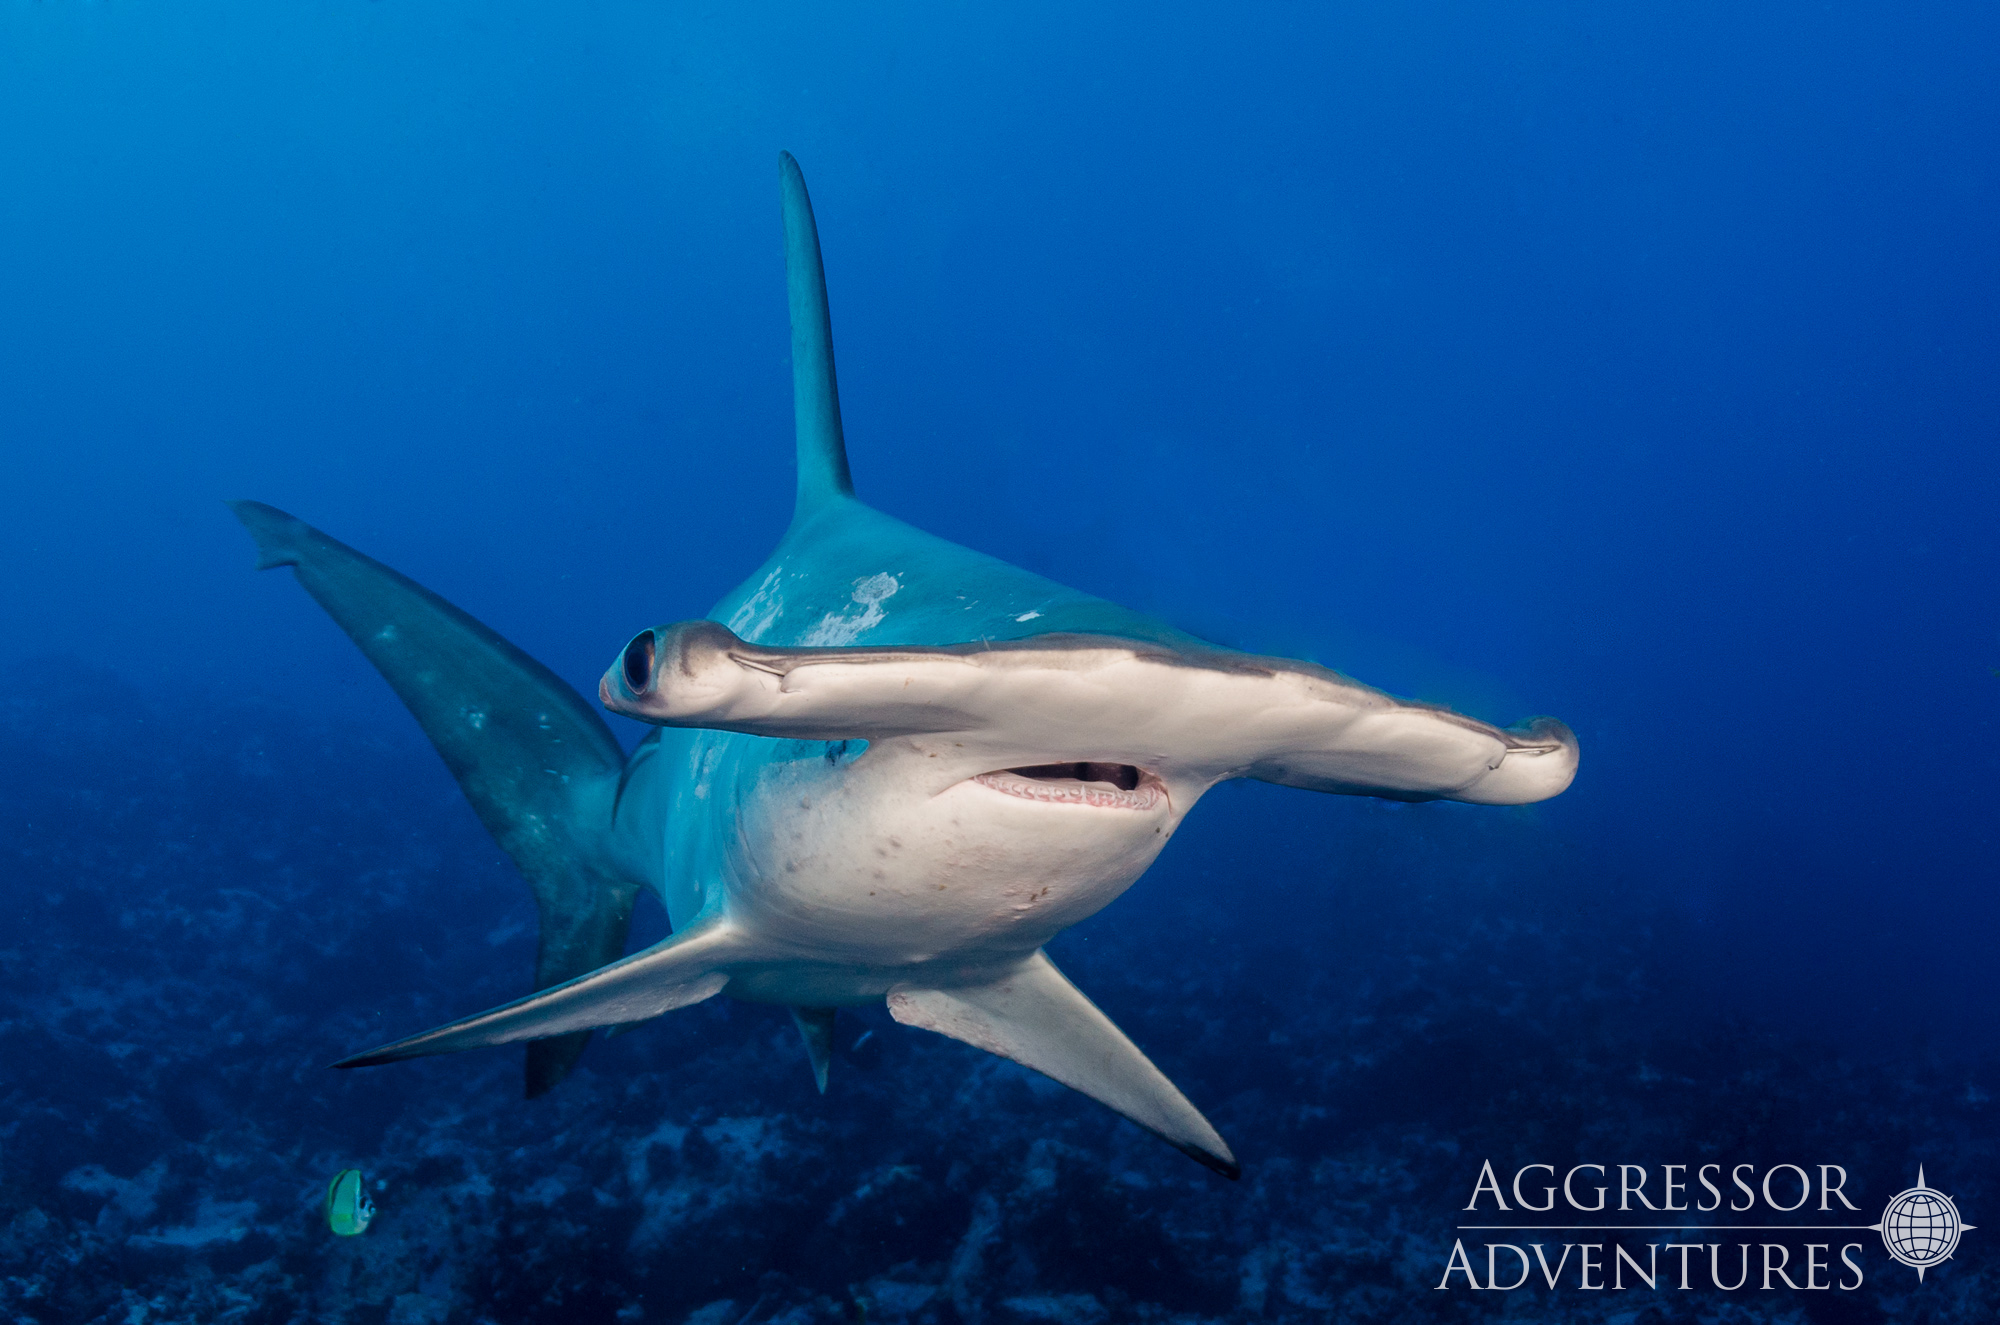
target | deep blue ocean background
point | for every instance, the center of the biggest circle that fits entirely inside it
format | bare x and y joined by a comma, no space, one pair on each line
1636,364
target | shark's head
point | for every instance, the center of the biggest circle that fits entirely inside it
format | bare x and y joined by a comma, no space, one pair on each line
1032,779
1093,719
967,824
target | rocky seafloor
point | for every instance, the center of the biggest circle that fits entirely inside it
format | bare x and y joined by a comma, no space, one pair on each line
208,901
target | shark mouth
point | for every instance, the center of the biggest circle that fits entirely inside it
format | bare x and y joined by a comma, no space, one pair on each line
1106,786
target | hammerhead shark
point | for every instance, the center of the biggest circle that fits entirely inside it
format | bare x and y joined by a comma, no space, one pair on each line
886,767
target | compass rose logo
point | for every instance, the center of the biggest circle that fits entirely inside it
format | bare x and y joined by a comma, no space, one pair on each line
1921,1227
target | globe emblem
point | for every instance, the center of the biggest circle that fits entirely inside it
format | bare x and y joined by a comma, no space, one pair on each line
1921,1227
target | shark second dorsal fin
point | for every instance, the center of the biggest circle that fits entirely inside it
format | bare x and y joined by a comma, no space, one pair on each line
823,474
816,1029
1036,1017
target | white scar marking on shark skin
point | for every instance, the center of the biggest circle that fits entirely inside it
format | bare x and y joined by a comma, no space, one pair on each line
701,769
761,610
1071,793
875,588
1027,616
844,627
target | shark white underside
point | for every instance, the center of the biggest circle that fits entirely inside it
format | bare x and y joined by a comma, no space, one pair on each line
898,771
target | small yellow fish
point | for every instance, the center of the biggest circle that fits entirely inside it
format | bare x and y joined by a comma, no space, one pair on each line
348,1209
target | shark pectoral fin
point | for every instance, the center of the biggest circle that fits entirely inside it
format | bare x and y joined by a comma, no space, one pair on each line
1036,1017
816,1029
538,764
673,973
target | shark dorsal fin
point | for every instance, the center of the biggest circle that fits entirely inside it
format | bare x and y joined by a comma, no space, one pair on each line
823,472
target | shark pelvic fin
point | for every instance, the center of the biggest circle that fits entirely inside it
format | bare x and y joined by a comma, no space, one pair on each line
816,1029
822,457
674,973
539,765
1036,1017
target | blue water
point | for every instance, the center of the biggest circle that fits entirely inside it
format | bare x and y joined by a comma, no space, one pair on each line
1633,365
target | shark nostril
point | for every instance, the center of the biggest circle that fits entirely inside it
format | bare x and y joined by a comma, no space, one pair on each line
639,663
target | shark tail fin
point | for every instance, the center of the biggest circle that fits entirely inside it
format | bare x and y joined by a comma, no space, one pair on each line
823,473
1036,1017
539,765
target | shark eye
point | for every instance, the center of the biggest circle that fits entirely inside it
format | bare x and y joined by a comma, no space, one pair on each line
639,663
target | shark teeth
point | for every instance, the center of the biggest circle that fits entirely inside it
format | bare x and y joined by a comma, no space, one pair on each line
1068,791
